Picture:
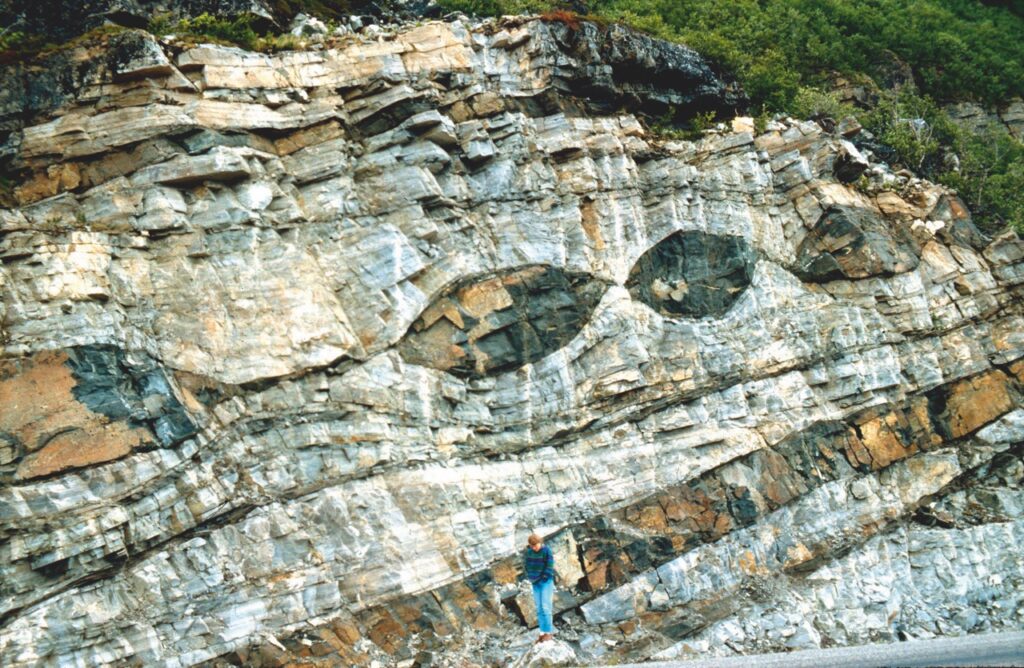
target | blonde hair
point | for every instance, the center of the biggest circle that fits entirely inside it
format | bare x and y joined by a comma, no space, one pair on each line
534,539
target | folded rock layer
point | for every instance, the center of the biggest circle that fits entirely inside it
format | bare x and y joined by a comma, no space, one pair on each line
298,348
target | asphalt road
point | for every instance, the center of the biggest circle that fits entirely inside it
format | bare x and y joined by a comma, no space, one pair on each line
992,649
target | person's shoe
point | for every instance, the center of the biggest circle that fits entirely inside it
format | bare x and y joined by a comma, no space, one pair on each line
544,637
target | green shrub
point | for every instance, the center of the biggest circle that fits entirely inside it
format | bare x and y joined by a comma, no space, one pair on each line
815,103
907,125
703,121
669,126
162,23
991,177
957,49
275,43
15,45
238,31
501,7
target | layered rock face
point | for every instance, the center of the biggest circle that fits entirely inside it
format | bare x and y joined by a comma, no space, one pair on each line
299,348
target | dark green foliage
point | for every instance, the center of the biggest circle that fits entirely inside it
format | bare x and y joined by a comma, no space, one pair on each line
668,127
162,24
816,103
20,47
501,7
17,45
914,128
957,49
238,31
990,176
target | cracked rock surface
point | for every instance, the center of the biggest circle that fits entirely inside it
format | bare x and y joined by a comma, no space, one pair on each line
297,349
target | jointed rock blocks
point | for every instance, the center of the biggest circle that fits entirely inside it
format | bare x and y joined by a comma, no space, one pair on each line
311,341
850,242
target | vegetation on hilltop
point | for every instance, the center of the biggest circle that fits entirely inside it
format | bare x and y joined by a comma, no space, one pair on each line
957,49
238,31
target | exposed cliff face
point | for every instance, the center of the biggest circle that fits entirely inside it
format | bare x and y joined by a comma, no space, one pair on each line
308,343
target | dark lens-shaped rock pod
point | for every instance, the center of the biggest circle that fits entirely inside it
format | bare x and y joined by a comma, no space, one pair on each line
693,274
499,322
850,242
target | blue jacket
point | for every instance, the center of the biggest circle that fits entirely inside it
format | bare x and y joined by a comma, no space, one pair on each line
539,564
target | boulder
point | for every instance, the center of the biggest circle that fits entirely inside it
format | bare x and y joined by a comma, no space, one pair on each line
548,654
307,26
849,163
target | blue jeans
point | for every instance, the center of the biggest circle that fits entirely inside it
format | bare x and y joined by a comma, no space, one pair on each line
543,596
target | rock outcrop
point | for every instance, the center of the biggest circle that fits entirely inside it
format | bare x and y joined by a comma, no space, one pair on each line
297,349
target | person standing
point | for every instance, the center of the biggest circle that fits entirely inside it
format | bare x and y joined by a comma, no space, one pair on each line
539,564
